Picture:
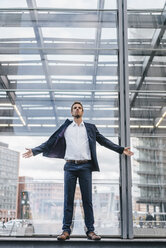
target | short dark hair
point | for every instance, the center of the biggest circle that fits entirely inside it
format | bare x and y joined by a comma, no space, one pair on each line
77,103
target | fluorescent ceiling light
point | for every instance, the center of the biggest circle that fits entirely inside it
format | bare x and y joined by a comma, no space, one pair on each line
19,114
161,119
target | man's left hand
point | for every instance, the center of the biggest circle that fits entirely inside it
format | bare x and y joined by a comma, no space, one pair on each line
127,151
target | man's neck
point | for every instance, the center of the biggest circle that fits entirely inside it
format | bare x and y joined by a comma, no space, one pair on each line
78,120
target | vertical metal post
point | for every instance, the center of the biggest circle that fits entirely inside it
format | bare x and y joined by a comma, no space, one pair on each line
125,165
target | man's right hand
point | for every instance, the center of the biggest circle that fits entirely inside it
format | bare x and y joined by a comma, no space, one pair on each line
28,154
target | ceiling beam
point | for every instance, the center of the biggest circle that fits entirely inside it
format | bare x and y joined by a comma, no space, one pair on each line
157,37
80,70
83,20
40,43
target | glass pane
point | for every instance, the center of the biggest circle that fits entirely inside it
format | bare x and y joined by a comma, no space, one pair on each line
13,4
147,82
67,4
50,58
33,205
149,209
148,4
40,209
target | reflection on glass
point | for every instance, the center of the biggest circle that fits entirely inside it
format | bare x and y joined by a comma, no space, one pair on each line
48,60
13,4
40,209
33,205
147,116
144,5
48,63
149,174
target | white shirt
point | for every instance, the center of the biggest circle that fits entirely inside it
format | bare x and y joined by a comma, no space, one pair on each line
77,145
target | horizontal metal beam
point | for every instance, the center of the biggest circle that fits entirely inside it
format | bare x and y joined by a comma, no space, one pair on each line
63,50
81,61
70,50
78,70
37,112
83,86
57,70
109,102
109,19
60,101
64,87
75,20
76,45
153,101
47,40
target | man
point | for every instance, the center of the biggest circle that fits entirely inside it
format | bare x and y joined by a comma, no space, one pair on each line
75,141
149,219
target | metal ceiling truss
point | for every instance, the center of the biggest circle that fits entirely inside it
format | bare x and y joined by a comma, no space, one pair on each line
47,86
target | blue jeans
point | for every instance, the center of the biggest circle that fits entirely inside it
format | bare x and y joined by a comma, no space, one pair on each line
85,182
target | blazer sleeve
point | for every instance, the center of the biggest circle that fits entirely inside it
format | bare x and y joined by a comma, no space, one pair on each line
44,147
107,143
39,149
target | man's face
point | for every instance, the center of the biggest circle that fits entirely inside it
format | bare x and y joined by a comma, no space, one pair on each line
77,111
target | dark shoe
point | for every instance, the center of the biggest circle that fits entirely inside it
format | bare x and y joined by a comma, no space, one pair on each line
63,236
93,236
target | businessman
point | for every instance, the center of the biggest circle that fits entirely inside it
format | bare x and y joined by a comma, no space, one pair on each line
75,141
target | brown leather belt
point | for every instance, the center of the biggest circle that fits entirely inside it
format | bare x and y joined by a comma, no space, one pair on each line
78,161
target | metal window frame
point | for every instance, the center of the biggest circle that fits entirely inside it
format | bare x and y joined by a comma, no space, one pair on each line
125,164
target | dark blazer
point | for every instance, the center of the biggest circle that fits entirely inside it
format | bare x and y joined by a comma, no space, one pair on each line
55,146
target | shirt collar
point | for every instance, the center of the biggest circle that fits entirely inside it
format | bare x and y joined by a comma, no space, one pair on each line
75,124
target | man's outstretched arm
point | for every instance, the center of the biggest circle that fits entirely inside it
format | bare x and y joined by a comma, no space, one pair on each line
110,145
44,147
35,151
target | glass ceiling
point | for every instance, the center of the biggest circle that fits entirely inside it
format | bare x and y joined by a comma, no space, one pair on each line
52,56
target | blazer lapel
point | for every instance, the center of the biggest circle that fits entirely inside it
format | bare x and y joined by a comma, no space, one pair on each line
89,133
87,128
66,124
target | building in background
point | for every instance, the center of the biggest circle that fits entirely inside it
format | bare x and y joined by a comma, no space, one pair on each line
41,202
24,187
9,168
150,171
38,199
